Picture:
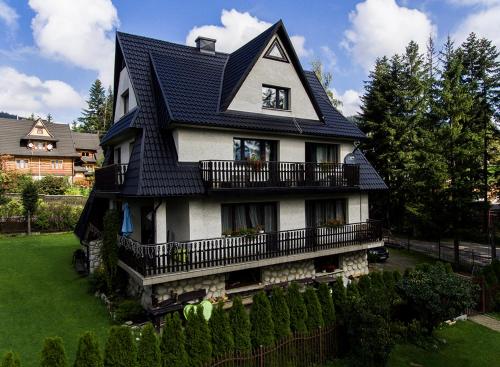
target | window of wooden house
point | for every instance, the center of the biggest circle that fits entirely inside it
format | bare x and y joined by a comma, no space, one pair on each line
57,164
39,131
21,163
257,216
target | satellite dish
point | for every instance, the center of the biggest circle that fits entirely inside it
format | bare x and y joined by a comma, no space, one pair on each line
30,145
350,159
49,147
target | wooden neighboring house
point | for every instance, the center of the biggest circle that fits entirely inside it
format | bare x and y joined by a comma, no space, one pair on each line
237,171
87,146
40,148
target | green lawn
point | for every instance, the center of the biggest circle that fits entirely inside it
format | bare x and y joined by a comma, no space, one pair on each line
41,295
467,345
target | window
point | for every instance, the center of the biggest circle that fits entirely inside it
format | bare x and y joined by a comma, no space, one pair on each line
21,163
39,131
259,216
319,212
264,150
117,158
322,153
275,97
57,164
125,100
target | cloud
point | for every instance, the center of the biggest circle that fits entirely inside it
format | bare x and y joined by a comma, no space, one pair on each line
382,27
351,101
484,22
236,30
8,14
474,2
24,94
331,57
77,32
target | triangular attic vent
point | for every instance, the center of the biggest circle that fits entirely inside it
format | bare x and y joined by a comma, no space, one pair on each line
276,52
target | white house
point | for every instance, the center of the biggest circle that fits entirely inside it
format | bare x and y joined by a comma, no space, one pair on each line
238,172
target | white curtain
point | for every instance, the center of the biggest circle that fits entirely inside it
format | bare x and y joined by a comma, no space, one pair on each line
254,217
269,225
340,212
240,217
226,219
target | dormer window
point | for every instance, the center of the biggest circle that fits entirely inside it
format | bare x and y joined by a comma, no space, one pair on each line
275,97
39,131
125,101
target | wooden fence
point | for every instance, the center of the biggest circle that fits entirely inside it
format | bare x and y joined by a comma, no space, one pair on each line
298,350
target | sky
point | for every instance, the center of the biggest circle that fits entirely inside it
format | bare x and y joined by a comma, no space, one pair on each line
52,50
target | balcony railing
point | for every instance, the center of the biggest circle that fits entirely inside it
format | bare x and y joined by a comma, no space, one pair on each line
173,257
254,174
110,178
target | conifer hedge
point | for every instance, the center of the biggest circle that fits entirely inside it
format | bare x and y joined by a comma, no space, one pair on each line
220,329
53,354
280,313
10,360
148,351
198,344
172,344
326,302
298,311
120,348
261,320
88,353
240,326
339,296
314,312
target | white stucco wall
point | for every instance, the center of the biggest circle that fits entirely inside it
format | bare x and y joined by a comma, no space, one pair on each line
275,73
123,85
125,150
194,145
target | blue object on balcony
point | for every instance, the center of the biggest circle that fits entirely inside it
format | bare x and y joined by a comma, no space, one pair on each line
127,226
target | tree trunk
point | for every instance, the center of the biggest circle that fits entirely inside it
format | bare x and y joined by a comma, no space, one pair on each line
29,223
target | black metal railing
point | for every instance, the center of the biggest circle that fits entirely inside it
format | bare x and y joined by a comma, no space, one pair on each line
175,257
218,174
110,178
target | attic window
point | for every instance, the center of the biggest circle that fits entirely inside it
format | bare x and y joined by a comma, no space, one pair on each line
276,52
125,100
39,131
275,97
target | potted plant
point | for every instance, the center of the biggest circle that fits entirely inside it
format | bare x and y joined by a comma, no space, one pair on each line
227,233
259,229
333,223
255,163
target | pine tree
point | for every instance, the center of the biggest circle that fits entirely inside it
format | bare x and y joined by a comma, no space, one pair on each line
262,321
172,344
280,313
220,329
120,348
240,326
326,302
10,360
148,351
298,311
88,353
49,117
198,345
314,311
53,354
93,119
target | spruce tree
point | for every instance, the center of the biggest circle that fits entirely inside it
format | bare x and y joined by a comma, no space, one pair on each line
280,313
220,329
240,326
93,118
262,321
148,350
10,360
53,354
120,348
173,343
198,344
326,302
298,311
88,353
314,311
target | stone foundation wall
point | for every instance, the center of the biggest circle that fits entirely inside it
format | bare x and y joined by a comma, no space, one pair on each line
94,254
354,264
288,272
144,293
214,285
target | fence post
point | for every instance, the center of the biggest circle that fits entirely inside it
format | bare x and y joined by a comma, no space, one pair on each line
321,345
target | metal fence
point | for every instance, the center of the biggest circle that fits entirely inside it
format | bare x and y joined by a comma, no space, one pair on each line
300,349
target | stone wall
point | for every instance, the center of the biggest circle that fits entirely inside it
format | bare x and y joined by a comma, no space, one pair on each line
214,285
288,272
94,254
354,264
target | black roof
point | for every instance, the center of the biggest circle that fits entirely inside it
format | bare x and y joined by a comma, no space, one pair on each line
177,84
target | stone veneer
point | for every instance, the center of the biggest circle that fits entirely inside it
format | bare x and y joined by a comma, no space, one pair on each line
288,272
94,254
215,285
354,264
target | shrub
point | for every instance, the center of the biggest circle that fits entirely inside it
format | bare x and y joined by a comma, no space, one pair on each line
434,295
120,348
298,311
240,326
88,353
261,320
389,282
352,291
326,302
128,310
148,351
314,311
198,345
338,296
280,313
172,343
57,216
10,360
53,354
220,329
109,250
12,208
97,281
30,198
364,284
397,276
52,185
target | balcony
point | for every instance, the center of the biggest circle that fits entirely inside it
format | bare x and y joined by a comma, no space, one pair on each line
110,178
177,260
238,175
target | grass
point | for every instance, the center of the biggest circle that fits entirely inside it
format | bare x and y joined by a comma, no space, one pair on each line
41,295
495,315
467,344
